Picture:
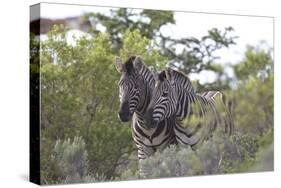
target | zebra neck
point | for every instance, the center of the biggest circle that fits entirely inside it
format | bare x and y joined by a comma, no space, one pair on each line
139,118
149,83
147,77
185,100
145,102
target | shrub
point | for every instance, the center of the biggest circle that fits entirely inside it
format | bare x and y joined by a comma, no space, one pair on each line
71,161
219,154
71,157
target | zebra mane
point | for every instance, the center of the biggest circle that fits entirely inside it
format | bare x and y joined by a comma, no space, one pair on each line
147,75
179,78
129,64
178,73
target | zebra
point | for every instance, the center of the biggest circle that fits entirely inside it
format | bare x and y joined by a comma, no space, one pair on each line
198,115
135,90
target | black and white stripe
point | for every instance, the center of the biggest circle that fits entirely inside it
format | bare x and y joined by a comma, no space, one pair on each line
135,90
198,114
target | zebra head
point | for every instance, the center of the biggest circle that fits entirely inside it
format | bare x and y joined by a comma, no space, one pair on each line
130,86
163,102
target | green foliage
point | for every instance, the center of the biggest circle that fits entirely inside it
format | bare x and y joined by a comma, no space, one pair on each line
71,158
219,154
257,62
254,94
83,141
79,97
135,43
197,54
69,161
250,149
147,21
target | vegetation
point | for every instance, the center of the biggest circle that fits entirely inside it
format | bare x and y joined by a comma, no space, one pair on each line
82,139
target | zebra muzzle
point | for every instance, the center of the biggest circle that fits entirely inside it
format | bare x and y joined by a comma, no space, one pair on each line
124,113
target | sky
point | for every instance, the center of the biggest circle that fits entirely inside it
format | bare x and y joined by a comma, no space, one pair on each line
251,30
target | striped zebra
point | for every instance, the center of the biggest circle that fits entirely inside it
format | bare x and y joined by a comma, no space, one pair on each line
135,89
198,114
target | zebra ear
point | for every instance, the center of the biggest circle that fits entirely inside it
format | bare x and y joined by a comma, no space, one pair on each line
138,63
119,65
169,75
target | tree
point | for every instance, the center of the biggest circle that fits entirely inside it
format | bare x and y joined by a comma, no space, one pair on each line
254,94
79,98
79,94
147,21
257,63
197,54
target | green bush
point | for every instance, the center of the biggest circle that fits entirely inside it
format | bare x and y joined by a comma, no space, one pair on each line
219,154
71,161
80,98
71,158
253,96
79,102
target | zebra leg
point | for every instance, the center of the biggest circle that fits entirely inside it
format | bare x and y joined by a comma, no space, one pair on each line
144,169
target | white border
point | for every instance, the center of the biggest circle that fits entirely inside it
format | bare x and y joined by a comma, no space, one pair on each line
14,121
